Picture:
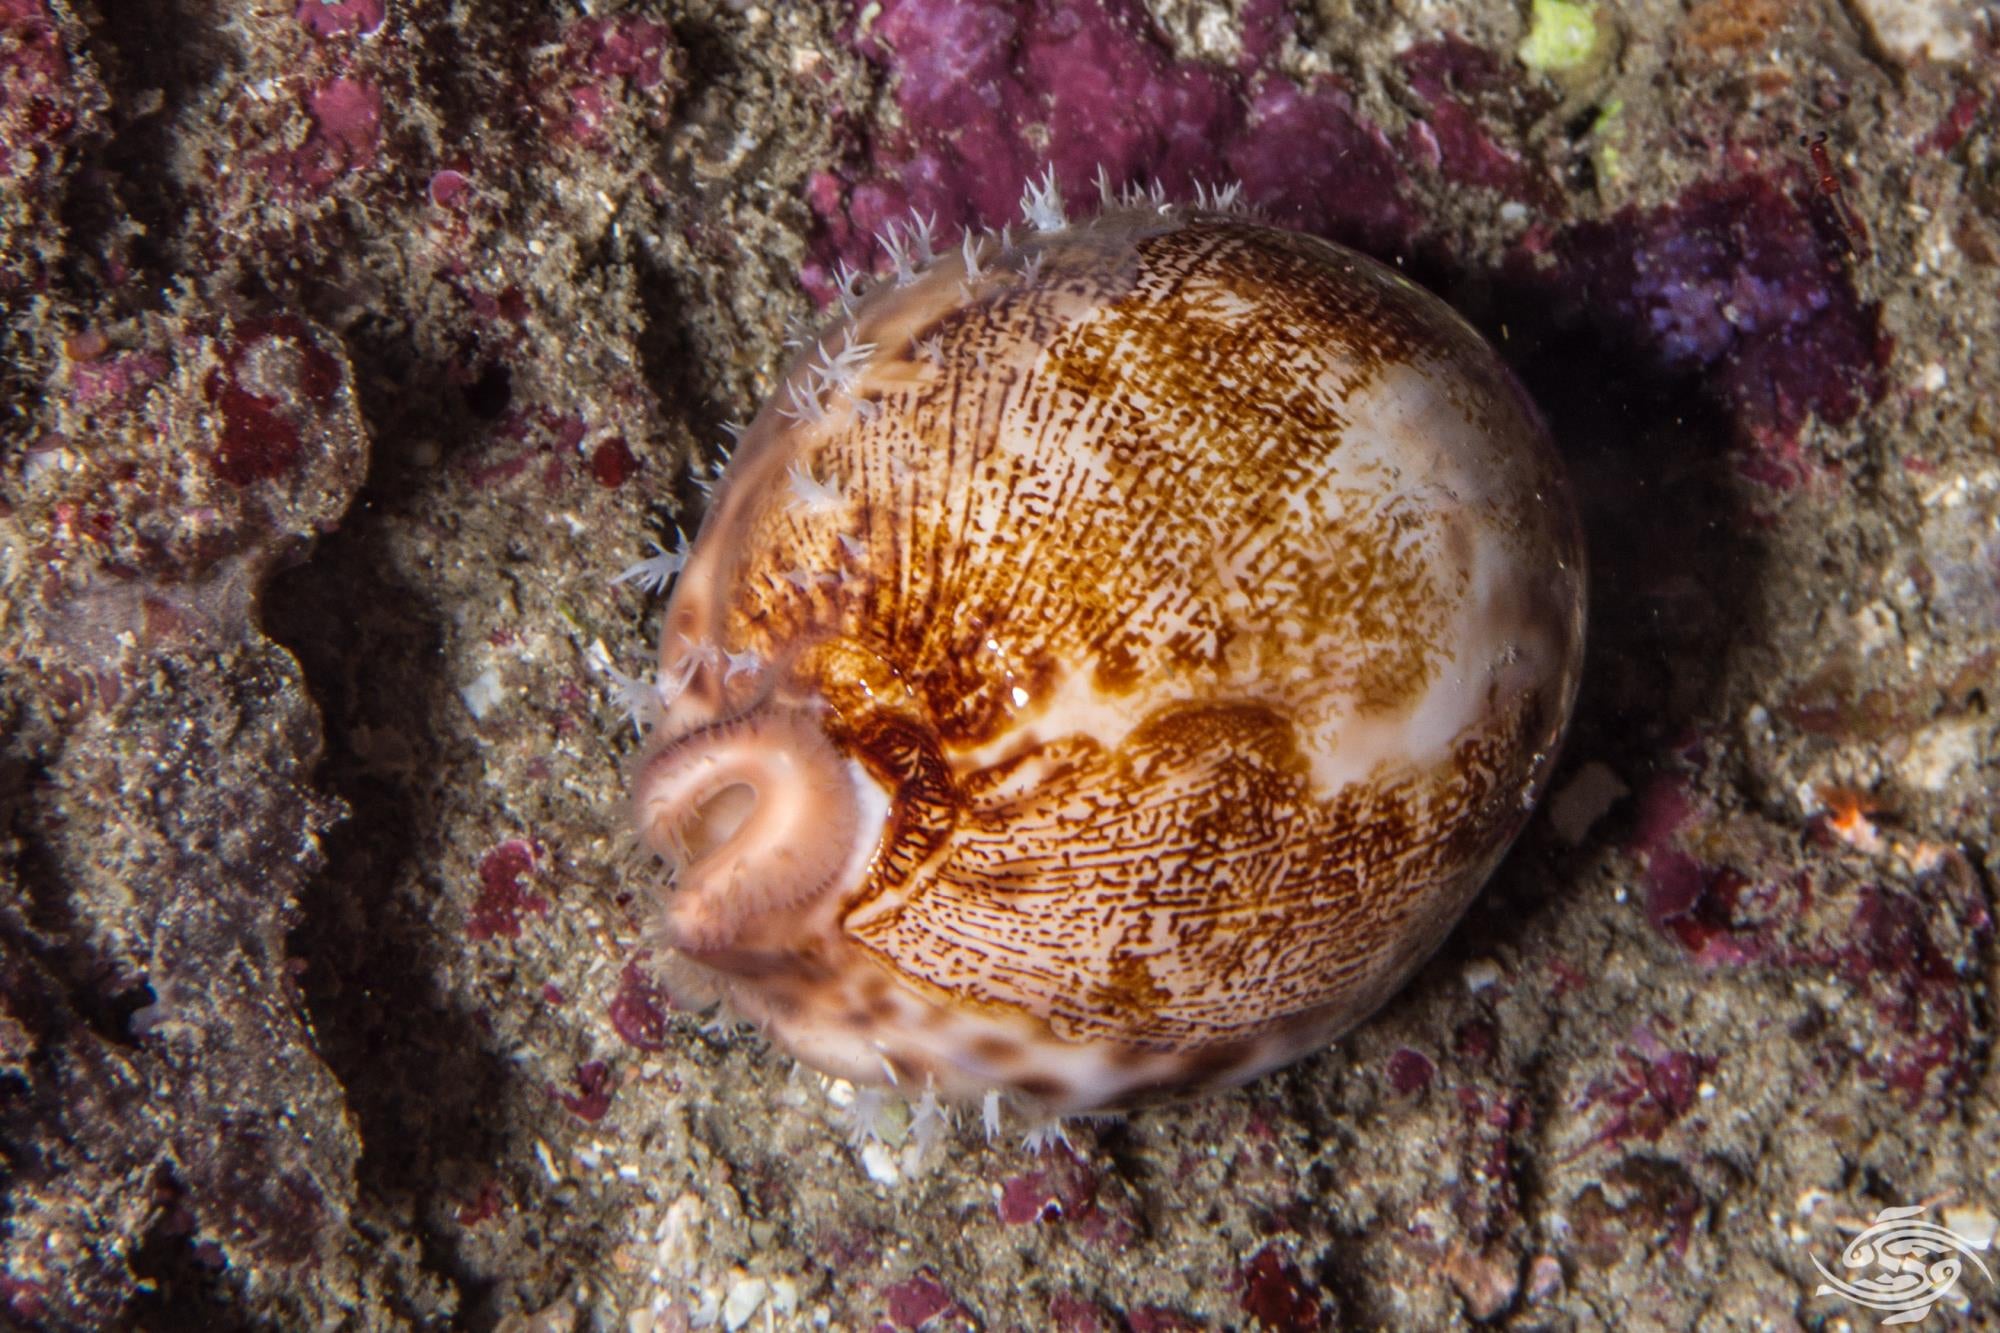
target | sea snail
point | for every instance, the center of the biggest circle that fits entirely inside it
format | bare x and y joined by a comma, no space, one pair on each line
1109,664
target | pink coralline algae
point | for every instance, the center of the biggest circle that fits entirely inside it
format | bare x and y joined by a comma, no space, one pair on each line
346,134
920,1301
447,186
599,55
624,47
482,1207
1718,914
1923,1007
1409,1071
1277,1297
1453,77
1664,807
1475,1041
263,410
540,443
1071,1313
341,18
1957,122
1721,915
115,380
991,92
269,374
1029,1198
50,102
36,107
1486,1196
639,1010
25,1300
1065,1189
503,898
1736,283
1652,1087
612,463
592,1098
1892,946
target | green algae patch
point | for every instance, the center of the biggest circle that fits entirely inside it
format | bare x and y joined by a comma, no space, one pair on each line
1561,36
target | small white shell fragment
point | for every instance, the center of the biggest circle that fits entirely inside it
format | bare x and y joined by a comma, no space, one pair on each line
746,1295
1482,974
1584,799
482,694
1912,31
879,1161
1975,1225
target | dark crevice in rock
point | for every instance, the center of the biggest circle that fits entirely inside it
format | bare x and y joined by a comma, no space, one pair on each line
419,1077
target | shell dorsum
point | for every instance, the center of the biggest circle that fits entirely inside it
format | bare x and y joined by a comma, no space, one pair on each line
1111,663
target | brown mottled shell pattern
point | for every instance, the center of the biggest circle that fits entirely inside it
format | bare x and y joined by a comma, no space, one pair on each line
1110,665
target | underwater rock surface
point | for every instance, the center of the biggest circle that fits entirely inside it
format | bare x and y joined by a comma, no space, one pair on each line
349,350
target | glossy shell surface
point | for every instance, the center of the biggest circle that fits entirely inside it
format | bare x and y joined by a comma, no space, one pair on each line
1110,664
